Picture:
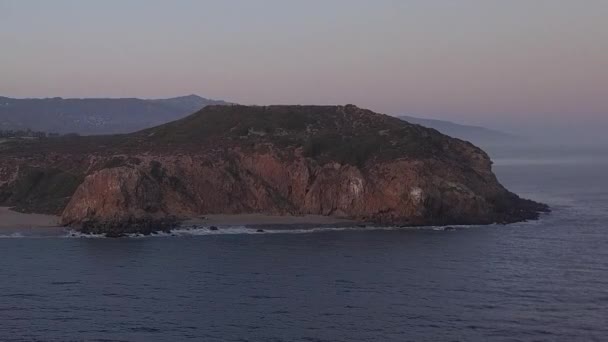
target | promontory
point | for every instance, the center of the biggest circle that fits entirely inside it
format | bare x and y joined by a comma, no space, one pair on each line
340,161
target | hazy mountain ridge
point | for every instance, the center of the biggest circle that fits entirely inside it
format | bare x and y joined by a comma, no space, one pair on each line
478,135
89,116
95,115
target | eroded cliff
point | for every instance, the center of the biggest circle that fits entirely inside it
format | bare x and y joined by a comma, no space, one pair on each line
289,160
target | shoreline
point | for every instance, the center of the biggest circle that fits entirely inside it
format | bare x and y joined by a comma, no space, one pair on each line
13,221
29,224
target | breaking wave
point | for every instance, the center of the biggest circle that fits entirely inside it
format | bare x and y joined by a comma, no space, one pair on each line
11,236
200,230
189,231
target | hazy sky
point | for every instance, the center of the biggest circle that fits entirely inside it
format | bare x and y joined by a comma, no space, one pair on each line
479,61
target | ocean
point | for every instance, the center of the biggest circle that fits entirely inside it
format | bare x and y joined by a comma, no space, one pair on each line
544,280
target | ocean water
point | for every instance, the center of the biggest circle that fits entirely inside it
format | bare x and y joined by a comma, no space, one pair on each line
538,281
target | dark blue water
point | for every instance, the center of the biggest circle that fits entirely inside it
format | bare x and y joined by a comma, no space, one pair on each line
541,281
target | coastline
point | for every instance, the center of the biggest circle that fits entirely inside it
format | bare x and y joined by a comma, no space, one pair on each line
16,222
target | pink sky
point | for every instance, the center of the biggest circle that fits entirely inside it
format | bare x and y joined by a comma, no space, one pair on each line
482,61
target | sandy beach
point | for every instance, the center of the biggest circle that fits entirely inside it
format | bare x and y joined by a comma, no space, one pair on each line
14,220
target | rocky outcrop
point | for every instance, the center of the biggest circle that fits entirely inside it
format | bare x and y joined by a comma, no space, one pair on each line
288,160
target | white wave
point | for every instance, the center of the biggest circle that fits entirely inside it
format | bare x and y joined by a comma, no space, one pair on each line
195,230
11,236
76,234
235,230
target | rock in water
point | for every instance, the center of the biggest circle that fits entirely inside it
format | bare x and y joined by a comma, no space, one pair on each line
114,234
323,160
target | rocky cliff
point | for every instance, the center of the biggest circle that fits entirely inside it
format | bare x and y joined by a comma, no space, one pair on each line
288,160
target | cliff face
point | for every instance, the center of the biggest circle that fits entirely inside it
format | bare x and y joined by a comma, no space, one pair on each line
334,160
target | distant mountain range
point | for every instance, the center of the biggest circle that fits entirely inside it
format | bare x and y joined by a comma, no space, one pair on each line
478,135
95,115
92,116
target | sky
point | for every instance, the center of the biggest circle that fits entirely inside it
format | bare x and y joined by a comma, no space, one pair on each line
513,63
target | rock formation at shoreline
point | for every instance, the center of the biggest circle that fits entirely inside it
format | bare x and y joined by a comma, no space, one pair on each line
287,160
